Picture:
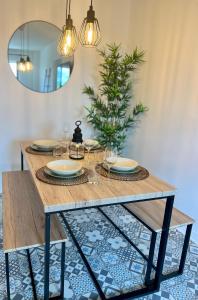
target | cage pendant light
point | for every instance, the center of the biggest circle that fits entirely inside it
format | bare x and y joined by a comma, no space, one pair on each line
28,62
68,39
21,63
90,35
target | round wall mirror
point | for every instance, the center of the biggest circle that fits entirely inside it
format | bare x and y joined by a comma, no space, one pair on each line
34,59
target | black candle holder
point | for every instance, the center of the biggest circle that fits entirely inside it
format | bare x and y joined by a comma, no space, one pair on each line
76,151
77,136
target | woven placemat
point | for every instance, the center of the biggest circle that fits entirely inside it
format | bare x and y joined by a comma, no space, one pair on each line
41,175
140,174
32,151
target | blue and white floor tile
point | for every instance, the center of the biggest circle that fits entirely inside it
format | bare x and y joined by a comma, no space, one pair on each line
116,264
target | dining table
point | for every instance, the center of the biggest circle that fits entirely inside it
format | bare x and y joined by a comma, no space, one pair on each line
59,199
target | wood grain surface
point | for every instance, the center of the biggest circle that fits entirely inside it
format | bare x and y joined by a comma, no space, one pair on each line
152,213
57,198
23,215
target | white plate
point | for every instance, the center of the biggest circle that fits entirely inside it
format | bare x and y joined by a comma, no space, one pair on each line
64,167
36,148
91,143
124,164
45,144
134,171
50,173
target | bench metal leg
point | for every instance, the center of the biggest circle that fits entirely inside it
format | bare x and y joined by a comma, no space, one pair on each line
31,274
185,248
150,258
163,241
7,275
47,256
62,270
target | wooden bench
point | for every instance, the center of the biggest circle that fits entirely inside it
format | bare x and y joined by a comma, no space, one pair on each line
151,215
24,221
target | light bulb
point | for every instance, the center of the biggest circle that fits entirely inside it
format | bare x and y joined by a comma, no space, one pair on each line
67,42
28,65
21,65
68,39
90,33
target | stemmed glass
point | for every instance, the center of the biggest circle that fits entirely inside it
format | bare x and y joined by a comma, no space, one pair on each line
65,139
88,146
110,157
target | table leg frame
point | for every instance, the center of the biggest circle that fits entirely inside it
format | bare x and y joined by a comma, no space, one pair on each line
153,285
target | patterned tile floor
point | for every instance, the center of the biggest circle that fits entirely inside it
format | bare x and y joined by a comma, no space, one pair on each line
117,266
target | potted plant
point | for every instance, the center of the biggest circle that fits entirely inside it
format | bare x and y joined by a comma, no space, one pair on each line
110,111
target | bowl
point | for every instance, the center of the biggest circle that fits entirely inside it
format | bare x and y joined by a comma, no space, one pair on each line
91,143
64,167
45,144
124,164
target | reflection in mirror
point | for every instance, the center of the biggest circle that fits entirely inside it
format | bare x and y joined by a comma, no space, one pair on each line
34,59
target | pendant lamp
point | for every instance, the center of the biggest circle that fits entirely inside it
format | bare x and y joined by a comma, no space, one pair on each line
68,39
90,35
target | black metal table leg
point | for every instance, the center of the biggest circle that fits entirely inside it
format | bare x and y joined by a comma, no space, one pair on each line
150,258
47,256
7,275
163,241
91,273
22,161
185,248
62,270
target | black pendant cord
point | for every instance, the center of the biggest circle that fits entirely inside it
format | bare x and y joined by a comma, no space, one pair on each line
69,6
66,8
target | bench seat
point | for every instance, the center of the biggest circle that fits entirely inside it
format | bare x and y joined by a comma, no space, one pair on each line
23,214
152,214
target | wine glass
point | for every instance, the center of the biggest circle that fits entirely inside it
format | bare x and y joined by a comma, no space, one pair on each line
88,144
110,157
65,138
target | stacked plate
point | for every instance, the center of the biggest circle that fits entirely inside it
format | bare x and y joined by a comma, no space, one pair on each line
64,169
92,144
123,166
44,145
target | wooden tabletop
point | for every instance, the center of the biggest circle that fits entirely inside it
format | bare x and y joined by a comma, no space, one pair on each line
57,198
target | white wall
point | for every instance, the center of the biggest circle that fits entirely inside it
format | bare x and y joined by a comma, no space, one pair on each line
166,140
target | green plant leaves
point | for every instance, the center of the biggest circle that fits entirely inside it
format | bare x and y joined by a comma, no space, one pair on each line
110,112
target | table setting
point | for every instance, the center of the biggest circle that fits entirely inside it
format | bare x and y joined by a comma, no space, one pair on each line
75,166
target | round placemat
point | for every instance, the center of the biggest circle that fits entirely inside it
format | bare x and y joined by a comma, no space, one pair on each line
41,175
32,151
140,175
